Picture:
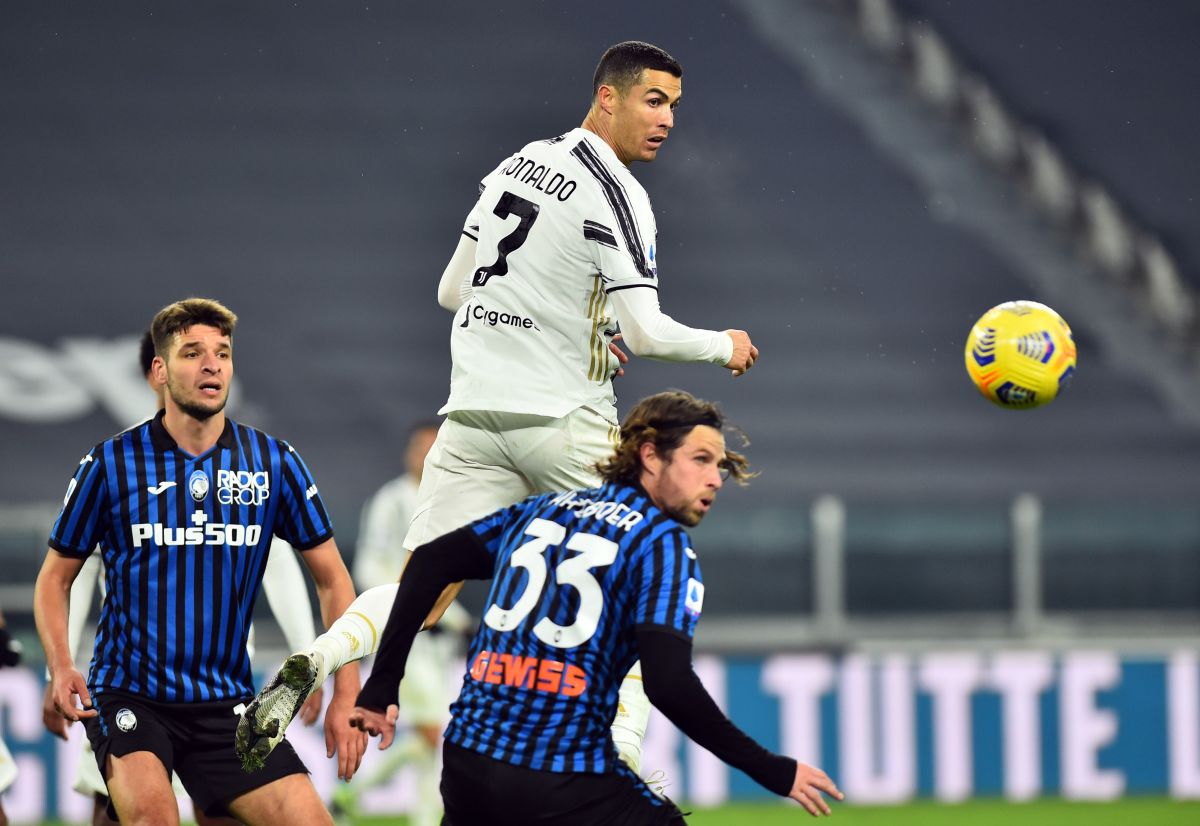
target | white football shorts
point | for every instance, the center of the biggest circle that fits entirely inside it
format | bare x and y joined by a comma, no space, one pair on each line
483,461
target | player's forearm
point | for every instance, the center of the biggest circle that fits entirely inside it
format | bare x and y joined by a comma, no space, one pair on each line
448,559
650,333
676,691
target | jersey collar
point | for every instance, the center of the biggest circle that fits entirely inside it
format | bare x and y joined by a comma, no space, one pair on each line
600,145
163,440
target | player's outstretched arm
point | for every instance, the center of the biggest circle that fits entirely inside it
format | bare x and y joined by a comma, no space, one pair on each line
448,559
51,597
651,333
676,691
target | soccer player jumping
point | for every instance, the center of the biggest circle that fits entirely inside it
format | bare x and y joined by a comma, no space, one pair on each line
559,250
583,583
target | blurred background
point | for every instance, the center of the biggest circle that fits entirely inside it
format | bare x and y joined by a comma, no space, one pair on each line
928,595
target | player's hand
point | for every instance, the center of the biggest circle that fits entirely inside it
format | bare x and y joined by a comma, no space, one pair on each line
54,722
375,723
311,710
66,685
807,787
621,356
744,353
348,742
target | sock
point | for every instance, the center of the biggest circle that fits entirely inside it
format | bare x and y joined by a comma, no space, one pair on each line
354,634
633,712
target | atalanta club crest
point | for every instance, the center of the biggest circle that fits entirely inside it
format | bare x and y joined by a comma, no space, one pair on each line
198,485
126,720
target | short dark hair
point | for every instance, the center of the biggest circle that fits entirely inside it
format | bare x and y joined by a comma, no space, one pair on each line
664,420
621,65
175,318
146,353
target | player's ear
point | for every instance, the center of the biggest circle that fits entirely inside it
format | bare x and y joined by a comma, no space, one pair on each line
606,98
651,461
158,370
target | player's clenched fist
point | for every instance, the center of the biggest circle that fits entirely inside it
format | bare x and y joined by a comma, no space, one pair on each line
744,352
806,790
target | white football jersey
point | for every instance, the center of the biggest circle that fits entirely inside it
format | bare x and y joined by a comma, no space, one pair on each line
559,225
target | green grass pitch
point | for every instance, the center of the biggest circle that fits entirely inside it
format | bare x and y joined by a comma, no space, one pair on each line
1128,812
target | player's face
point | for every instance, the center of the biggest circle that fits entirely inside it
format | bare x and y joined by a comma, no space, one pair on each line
644,115
685,486
197,371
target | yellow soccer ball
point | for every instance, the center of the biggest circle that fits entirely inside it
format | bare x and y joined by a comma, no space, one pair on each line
1020,354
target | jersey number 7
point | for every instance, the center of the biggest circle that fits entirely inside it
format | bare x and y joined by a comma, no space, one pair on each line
527,211
594,552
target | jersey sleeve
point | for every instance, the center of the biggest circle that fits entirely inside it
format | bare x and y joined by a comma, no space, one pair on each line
621,236
82,520
302,520
492,528
670,591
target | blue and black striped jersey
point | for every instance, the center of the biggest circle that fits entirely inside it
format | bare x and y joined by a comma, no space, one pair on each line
575,574
185,541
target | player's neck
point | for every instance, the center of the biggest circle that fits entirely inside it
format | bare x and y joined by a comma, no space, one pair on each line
192,435
599,126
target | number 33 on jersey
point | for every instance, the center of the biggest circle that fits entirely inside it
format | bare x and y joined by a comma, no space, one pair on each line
575,575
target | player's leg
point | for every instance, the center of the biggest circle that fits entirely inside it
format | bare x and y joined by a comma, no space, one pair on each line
90,783
219,787
139,787
633,714
133,748
466,476
288,801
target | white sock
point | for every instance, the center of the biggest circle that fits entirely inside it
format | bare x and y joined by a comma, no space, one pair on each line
356,633
633,713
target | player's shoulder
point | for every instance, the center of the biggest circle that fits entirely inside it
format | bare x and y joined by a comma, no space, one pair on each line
120,440
247,436
625,508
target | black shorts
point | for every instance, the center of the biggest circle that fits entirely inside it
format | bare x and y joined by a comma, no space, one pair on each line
480,791
195,740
